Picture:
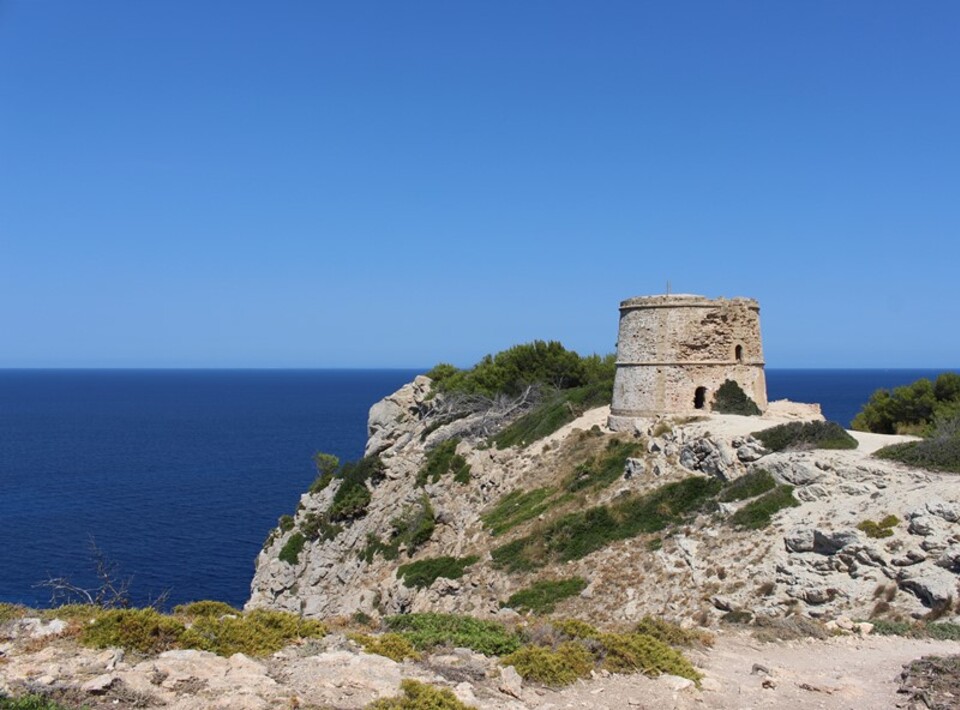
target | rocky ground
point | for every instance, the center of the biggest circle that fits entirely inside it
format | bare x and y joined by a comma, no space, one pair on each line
811,560
849,671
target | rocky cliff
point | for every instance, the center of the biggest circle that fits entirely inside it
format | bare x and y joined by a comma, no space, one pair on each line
853,535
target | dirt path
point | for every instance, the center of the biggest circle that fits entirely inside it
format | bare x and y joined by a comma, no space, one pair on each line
845,673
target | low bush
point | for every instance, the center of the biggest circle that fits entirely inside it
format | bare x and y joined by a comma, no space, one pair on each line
879,530
627,653
515,508
605,468
672,634
352,497
944,630
327,466
423,573
142,630
205,608
443,459
317,526
806,435
410,530
420,696
542,597
576,535
428,631
562,407
749,485
393,646
569,662
941,454
575,629
731,399
9,612
30,702
285,523
758,513
290,552
256,633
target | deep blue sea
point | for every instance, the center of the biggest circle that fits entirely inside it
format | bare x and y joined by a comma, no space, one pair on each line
179,475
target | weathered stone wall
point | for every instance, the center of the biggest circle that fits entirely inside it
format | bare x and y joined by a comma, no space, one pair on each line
671,345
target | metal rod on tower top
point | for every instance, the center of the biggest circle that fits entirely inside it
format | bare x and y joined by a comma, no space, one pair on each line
668,288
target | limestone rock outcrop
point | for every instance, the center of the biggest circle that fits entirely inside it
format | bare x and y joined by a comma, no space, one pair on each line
813,557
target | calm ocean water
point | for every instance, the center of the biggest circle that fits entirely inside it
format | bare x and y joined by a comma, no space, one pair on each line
179,475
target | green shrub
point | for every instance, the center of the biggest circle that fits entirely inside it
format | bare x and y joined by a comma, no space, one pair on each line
569,662
515,508
9,612
30,702
944,631
605,468
912,408
576,535
511,371
932,454
290,552
542,597
428,631
672,634
393,646
143,630
879,530
412,529
285,523
205,608
731,399
575,629
806,435
758,513
327,466
352,497
257,633
423,573
749,485
627,653
443,459
420,696
317,526
562,407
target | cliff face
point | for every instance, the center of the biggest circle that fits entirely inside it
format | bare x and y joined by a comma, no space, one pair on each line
812,558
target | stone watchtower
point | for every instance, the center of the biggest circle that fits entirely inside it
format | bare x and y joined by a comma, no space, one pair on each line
674,351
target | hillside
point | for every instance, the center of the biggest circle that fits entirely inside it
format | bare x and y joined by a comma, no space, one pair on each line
649,522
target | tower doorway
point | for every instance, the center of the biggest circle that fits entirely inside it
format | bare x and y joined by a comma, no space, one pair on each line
738,352
699,397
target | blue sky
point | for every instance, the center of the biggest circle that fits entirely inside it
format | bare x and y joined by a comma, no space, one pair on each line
359,184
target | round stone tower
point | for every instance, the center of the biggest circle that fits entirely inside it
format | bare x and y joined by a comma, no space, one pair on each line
675,350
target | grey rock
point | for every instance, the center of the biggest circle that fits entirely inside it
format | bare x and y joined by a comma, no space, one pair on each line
810,493
830,542
510,682
800,540
947,511
923,525
931,585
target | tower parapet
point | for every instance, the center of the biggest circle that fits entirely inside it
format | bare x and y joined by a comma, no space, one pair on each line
675,350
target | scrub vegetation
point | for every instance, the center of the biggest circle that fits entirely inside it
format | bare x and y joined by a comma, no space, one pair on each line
806,435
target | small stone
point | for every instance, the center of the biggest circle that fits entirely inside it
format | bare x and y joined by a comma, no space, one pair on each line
510,682
98,685
769,683
675,682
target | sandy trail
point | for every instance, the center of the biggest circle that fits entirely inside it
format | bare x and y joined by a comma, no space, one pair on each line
839,673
